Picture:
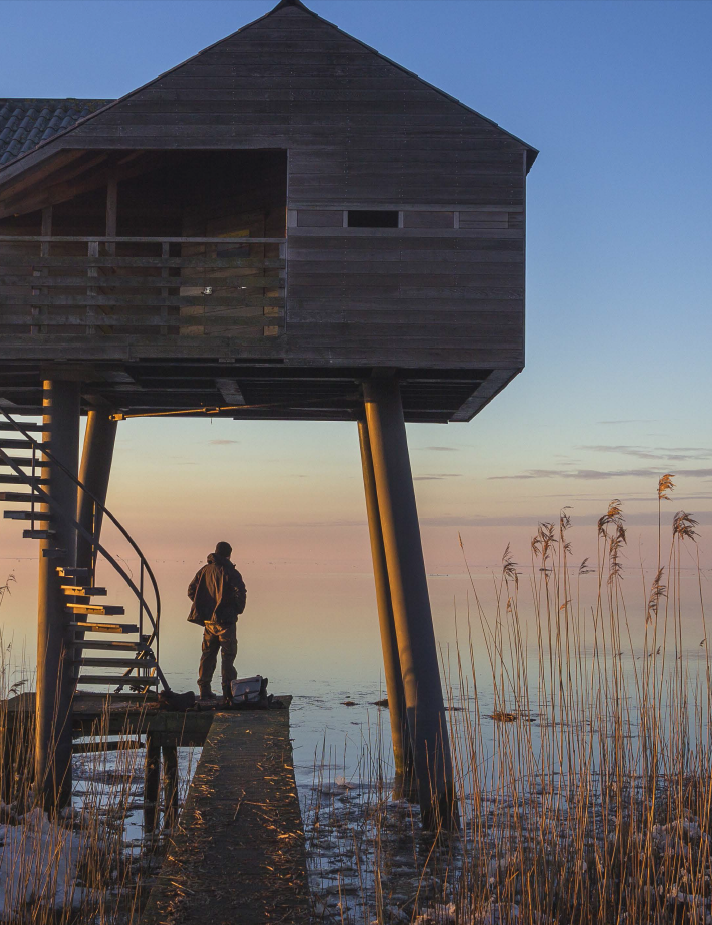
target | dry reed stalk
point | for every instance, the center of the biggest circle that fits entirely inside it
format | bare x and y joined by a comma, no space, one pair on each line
600,811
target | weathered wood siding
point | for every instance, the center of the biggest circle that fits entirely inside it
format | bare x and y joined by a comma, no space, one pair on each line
446,289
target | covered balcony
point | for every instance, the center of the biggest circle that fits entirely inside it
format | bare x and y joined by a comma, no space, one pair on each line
183,243
99,285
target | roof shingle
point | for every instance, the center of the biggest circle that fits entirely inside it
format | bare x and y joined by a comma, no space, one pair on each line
26,123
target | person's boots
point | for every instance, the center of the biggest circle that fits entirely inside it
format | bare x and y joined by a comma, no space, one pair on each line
206,695
227,696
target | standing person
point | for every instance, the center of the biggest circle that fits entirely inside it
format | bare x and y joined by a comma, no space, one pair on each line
218,594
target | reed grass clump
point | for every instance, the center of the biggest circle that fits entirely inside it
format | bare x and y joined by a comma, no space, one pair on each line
581,746
78,864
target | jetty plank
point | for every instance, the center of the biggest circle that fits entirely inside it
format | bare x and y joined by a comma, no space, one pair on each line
238,854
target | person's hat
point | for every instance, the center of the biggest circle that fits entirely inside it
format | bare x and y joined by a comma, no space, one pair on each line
224,550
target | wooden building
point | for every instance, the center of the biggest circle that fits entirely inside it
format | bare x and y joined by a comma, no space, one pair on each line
281,226
394,216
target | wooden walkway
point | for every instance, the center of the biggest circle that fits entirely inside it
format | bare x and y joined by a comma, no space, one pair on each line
238,857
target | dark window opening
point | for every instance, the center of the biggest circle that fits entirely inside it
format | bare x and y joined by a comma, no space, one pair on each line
368,218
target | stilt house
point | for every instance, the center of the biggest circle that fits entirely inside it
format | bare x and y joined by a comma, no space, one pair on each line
263,225
288,225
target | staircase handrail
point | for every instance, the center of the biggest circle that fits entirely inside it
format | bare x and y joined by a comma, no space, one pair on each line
95,544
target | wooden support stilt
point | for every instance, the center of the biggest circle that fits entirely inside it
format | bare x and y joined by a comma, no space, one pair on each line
410,601
97,455
53,752
402,749
170,786
152,784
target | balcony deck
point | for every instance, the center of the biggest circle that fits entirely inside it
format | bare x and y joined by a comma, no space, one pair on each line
68,285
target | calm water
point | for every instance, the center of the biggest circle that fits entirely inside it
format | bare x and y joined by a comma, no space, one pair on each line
314,634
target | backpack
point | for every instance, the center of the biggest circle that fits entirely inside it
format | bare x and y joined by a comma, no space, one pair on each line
249,690
169,700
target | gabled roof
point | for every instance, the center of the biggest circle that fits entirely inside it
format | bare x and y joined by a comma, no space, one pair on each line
26,123
90,109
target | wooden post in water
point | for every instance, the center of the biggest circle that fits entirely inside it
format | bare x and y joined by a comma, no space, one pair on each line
94,473
170,786
402,748
152,784
410,600
53,744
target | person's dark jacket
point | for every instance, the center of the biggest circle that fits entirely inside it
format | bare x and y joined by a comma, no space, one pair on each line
218,592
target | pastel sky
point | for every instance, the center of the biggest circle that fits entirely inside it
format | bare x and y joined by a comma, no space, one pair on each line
616,95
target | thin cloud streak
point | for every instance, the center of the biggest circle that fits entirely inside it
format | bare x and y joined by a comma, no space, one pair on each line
670,454
631,421
442,475
628,498
643,519
593,474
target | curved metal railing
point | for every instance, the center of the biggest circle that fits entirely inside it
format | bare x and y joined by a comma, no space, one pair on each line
154,618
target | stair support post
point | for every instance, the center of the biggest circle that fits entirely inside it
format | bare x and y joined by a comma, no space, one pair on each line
402,747
152,784
55,685
410,602
97,455
170,786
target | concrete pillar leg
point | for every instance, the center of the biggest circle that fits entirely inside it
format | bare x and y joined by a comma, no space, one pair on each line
402,749
94,473
53,753
152,784
170,786
410,601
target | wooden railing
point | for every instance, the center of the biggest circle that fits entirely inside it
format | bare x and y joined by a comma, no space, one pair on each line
231,286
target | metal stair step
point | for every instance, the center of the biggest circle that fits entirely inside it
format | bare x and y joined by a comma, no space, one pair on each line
27,411
74,572
75,591
88,627
16,443
54,553
24,462
27,515
20,496
101,610
30,428
101,645
92,661
152,681
38,534
22,480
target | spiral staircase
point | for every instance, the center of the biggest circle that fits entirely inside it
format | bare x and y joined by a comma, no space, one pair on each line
107,653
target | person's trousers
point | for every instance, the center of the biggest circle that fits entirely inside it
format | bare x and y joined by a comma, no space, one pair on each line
218,637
